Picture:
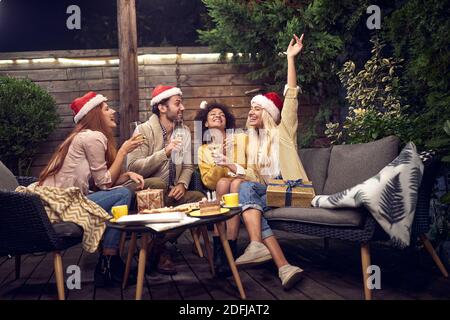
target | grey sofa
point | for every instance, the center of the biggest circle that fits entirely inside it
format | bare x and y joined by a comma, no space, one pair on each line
337,168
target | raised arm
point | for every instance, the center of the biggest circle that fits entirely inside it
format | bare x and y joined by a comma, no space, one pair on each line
289,118
294,48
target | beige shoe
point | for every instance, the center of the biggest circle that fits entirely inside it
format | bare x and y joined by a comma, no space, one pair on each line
255,253
289,276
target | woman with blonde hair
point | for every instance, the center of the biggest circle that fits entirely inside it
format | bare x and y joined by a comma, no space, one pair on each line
88,159
271,153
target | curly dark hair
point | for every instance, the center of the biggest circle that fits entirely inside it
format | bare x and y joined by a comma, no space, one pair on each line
202,116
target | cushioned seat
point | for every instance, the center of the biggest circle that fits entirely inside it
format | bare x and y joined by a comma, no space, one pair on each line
68,229
340,167
327,217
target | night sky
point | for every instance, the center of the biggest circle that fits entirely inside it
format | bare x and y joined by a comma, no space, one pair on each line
29,25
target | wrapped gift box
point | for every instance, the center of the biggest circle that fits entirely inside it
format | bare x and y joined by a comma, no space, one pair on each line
289,193
150,199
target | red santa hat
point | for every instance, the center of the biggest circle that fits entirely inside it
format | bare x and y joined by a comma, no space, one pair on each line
163,92
82,105
271,102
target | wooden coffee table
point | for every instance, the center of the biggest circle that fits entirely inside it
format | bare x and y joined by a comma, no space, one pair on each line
148,234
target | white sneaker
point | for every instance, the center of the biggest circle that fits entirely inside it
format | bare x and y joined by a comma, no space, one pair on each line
289,275
255,253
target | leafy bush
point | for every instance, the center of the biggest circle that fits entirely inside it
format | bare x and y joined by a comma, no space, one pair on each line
375,109
418,33
27,116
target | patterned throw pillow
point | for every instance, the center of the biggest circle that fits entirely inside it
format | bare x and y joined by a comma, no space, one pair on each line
390,196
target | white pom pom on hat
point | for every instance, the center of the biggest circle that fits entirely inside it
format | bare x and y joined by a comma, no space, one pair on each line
203,104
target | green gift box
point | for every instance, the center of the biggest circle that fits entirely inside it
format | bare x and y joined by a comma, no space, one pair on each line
290,193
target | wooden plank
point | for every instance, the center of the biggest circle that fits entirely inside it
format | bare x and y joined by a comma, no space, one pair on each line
37,75
37,282
82,86
250,285
331,266
128,69
158,70
219,289
57,64
214,69
216,80
85,73
59,54
266,277
7,268
161,287
188,284
10,286
308,288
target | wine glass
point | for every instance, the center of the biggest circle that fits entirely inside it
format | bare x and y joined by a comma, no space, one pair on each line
179,133
133,127
214,145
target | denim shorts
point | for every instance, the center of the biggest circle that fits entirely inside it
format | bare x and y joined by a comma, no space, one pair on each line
252,195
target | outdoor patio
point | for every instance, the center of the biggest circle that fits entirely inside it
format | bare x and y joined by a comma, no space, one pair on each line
128,47
332,274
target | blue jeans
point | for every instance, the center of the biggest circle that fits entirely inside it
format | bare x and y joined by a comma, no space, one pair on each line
107,200
252,195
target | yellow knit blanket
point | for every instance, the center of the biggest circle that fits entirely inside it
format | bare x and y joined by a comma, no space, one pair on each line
70,205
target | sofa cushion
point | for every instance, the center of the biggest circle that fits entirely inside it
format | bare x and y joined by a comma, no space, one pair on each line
327,217
68,229
8,181
353,164
315,161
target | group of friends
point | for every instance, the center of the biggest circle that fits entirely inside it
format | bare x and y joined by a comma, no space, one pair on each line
90,160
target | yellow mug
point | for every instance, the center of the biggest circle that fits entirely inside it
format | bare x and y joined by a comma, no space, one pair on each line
231,199
119,211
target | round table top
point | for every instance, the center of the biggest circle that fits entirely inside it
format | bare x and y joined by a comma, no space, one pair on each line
201,221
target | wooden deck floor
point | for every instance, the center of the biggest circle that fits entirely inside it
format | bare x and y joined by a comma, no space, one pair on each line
332,274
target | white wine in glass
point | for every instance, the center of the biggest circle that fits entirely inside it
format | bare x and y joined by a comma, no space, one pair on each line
133,127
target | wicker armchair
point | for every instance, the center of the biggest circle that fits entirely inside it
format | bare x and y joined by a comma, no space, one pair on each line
25,227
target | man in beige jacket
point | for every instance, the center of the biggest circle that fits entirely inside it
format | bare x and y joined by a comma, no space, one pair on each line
165,155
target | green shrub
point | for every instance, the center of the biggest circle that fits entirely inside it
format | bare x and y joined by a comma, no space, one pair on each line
27,116
418,33
375,107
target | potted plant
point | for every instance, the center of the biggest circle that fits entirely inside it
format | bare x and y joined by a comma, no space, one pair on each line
28,115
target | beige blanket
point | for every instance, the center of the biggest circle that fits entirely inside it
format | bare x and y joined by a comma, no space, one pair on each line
70,205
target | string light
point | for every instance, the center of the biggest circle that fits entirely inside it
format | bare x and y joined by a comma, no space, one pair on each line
143,58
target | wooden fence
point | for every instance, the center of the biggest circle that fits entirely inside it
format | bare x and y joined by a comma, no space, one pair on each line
69,74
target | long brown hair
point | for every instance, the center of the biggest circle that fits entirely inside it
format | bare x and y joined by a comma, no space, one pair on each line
94,120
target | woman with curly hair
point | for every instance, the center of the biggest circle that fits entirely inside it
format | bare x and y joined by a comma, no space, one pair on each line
217,128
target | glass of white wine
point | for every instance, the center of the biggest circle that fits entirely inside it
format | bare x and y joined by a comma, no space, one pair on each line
179,133
133,127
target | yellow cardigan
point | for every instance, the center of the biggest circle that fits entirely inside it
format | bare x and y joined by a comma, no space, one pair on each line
212,173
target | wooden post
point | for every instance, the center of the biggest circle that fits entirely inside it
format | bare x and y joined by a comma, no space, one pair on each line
128,68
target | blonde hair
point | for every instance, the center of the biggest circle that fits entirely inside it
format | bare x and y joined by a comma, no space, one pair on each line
264,139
